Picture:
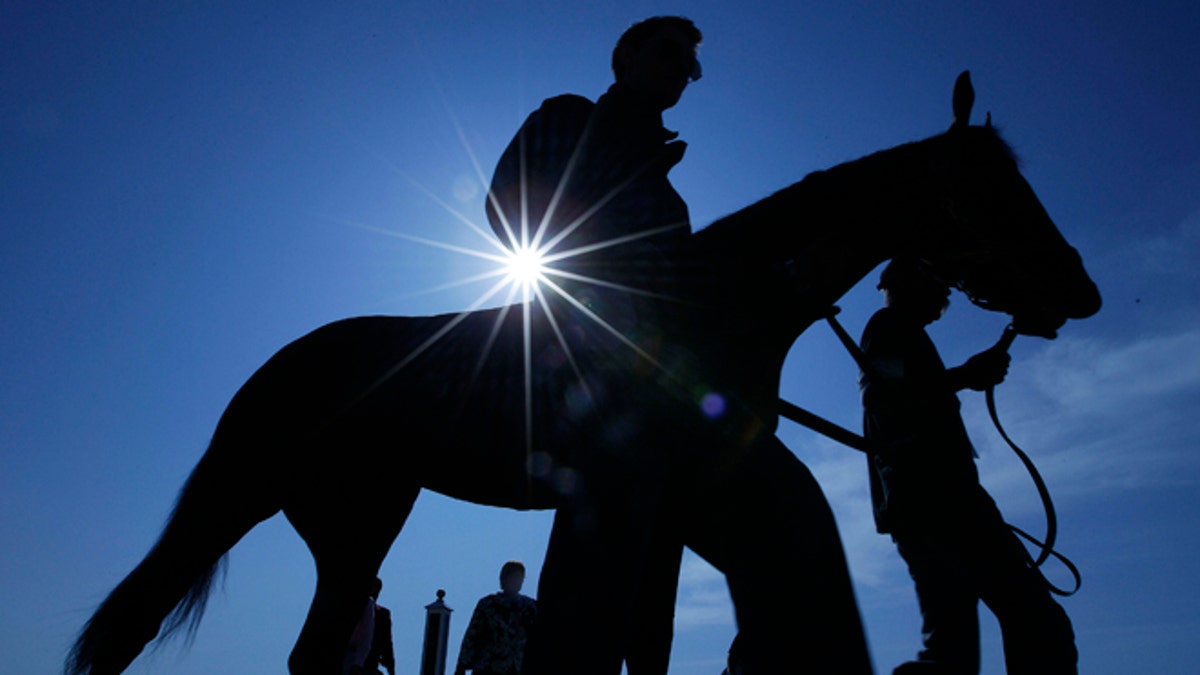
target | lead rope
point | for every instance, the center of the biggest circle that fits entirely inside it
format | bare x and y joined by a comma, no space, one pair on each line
847,437
1047,546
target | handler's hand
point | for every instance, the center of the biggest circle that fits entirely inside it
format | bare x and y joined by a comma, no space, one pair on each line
985,369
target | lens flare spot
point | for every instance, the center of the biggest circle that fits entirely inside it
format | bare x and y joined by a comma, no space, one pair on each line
565,481
713,405
540,465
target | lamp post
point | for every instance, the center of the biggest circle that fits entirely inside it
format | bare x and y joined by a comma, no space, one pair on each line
437,632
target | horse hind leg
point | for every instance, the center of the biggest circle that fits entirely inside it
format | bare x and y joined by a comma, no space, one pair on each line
349,534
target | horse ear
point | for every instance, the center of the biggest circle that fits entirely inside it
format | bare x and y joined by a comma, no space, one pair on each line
987,122
964,98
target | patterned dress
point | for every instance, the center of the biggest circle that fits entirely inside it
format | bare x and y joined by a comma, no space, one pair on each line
495,639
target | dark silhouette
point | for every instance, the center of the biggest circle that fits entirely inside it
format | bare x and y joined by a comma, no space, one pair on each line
926,491
494,643
587,184
590,179
371,641
509,406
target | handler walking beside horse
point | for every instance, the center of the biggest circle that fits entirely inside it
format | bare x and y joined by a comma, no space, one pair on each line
926,493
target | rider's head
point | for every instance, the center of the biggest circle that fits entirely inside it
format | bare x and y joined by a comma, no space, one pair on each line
657,58
909,285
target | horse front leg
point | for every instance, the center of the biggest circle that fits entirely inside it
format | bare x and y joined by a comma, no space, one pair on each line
769,529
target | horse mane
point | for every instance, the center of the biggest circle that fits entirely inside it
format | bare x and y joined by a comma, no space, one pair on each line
996,135
829,190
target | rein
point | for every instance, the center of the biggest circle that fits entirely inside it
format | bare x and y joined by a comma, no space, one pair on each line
848,438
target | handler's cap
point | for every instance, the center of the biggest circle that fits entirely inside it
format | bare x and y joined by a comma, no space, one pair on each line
907,271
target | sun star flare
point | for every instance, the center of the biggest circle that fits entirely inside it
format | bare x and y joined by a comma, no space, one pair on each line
525,267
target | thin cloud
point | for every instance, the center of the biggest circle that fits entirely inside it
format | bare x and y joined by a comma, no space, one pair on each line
703,598
1095,376
1172,252
1098,415
842,474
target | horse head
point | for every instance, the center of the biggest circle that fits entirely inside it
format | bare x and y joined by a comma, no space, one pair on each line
995,241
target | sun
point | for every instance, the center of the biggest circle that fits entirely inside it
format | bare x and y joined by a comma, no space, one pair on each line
525,267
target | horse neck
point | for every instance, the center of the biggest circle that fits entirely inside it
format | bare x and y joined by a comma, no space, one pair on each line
781,263
828,231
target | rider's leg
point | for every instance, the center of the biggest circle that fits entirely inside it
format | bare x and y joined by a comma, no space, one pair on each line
768,527
606,594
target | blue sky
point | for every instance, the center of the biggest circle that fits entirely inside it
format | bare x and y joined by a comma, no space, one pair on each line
184,188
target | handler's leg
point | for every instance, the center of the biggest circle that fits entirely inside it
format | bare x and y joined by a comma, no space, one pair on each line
1038,637
770,530
947,596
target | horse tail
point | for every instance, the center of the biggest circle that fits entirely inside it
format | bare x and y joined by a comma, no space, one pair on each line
169,588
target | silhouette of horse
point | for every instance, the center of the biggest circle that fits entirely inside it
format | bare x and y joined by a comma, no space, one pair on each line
651,434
